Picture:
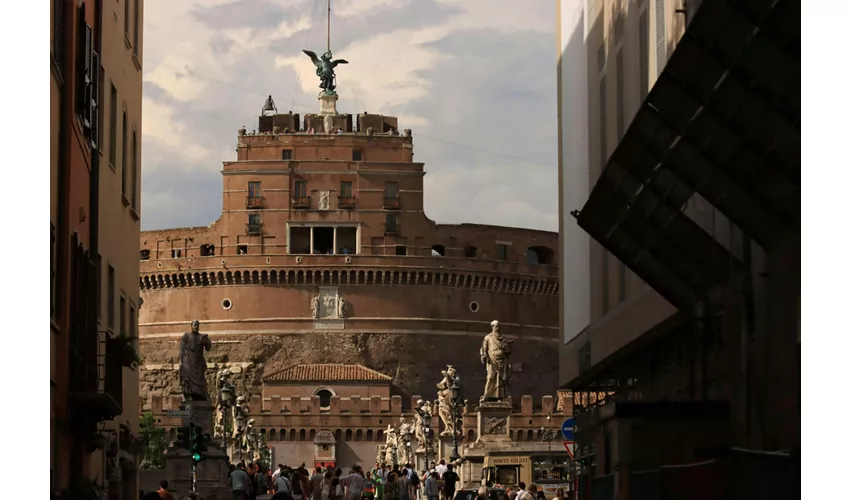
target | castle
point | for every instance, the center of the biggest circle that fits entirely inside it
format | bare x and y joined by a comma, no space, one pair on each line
323,254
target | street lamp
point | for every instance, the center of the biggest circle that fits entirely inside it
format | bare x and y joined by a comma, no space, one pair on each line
547,433
224,402
426,422
455,390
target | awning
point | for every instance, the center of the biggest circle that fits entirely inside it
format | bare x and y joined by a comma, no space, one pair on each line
722,121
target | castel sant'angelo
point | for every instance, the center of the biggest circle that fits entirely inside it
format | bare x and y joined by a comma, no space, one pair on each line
323,256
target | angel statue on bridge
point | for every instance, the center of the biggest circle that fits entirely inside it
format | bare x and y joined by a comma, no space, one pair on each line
325,70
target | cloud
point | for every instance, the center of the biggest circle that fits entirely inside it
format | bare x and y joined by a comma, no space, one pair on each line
474,79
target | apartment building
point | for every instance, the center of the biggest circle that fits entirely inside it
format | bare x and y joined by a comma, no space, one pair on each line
679,180
96,100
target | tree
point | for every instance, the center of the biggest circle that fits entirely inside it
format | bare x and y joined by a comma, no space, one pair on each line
154,441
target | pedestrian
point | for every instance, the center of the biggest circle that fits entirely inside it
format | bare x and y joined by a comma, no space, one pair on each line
239,483
404,485
316,484
414,485
441,468
281,483
164,494
559,494
354,483
450,478
432,489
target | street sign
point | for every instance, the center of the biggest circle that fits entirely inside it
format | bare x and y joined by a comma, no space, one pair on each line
177,413
567,429
571,448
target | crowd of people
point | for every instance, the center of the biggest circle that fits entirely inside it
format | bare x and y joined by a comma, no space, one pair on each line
382,482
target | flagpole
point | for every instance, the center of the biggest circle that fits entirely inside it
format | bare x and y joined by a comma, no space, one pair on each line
329,25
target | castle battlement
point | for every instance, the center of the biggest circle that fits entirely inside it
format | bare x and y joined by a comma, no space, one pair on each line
369,412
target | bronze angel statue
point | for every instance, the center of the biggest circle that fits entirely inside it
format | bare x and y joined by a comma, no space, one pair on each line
325,69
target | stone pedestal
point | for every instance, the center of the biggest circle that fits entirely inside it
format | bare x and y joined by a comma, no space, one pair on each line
327,104
212,480
494,421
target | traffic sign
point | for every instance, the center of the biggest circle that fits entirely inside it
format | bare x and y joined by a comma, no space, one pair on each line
177,413
571,447
567,428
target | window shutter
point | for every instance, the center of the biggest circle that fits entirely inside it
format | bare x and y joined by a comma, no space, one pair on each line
94,103
85,71
660,38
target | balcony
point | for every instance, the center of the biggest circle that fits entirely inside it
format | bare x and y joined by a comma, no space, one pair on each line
254,202
96,391
347,202
391,203
301,202
254,228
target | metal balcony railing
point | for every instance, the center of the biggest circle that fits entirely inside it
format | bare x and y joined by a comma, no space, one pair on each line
254,228
347,202
391,203
301,202
254,202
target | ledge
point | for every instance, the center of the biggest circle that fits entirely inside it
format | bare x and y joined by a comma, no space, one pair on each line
409,263
134,214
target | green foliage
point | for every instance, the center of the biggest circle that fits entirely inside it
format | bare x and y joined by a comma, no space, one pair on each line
265,452
129,356
154,441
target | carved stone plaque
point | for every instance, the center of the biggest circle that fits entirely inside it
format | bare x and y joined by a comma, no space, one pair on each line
328,308
324,200
494,426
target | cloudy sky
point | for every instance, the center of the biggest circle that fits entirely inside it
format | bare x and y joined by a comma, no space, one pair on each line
473,79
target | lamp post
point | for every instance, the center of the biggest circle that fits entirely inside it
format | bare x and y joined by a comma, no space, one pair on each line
547,433
426,422
224,402
455,390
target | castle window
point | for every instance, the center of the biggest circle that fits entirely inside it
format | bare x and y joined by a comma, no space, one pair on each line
470,252
207,250
357,155
144,254
241,249
438,251
345,189
287,154
400,250
324,398
501,251
300,189
540,255
391,224
176,253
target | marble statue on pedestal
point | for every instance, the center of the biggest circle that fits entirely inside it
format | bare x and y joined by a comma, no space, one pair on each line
422,433
405,433
381,458
444,400
193,366
392,445
314,306
495,355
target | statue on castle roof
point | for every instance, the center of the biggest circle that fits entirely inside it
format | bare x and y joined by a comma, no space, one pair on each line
325,70
495,355
193,366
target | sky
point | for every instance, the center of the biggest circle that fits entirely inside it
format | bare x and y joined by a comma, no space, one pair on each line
475,80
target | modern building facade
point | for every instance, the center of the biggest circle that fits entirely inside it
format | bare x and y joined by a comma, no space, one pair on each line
94,299
680,176
323,254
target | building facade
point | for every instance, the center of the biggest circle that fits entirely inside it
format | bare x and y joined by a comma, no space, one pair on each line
680,229
323,254
94,387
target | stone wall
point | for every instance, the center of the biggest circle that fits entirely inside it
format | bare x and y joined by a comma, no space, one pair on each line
414,360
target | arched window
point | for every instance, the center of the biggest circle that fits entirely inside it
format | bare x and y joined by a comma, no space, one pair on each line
324,399
124,155
134,172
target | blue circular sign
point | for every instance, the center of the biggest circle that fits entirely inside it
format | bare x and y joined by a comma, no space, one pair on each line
567,429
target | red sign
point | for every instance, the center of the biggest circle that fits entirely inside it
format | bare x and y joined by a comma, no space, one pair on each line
325,464
569,446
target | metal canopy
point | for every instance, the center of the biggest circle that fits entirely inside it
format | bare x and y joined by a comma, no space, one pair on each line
723,120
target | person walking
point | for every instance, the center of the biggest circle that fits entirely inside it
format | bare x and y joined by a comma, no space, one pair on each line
239,483
432,489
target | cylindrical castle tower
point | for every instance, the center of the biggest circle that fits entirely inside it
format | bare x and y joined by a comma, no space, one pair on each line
323,254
